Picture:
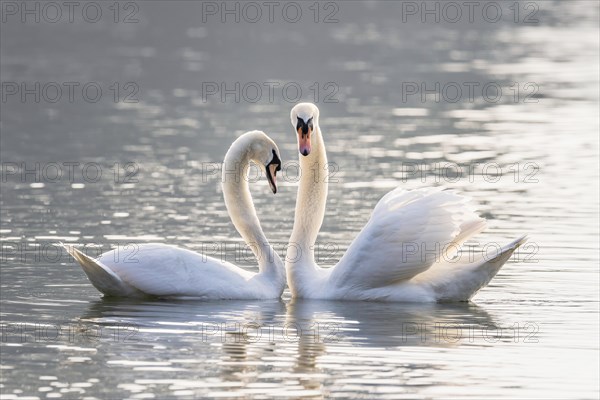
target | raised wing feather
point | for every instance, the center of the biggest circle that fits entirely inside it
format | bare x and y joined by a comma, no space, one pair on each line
407,233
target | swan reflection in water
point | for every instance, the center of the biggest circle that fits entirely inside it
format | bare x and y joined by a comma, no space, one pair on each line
238,341
344,329
385,324
324,321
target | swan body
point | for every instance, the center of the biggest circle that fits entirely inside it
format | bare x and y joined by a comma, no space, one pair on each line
162,270
408,251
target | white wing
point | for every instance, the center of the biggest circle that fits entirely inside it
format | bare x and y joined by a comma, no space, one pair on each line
163,270
407,233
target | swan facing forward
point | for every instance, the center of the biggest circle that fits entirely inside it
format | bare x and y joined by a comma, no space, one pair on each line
167,271
391,258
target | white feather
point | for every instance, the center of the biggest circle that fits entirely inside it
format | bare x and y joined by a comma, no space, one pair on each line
405,251
168,271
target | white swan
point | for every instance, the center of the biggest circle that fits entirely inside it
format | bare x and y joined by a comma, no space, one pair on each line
168,271
391,258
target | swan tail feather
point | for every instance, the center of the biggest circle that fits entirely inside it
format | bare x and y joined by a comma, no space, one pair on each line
467,230
461,283
102,277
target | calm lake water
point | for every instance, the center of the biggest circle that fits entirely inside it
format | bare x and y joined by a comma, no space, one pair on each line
403,102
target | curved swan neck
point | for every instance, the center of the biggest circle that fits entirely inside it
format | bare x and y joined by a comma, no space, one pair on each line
240,206
310,203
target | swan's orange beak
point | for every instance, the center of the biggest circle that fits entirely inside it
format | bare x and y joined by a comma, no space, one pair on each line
304,140
304,130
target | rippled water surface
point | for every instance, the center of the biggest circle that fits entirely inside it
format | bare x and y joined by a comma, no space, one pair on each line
529,158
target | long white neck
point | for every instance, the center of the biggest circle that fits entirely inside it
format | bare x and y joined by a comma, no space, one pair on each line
310,210
243,214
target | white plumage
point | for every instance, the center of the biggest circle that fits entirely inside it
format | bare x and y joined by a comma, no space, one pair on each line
406,251
162,270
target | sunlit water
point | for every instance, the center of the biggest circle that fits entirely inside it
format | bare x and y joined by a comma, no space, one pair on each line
530,162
